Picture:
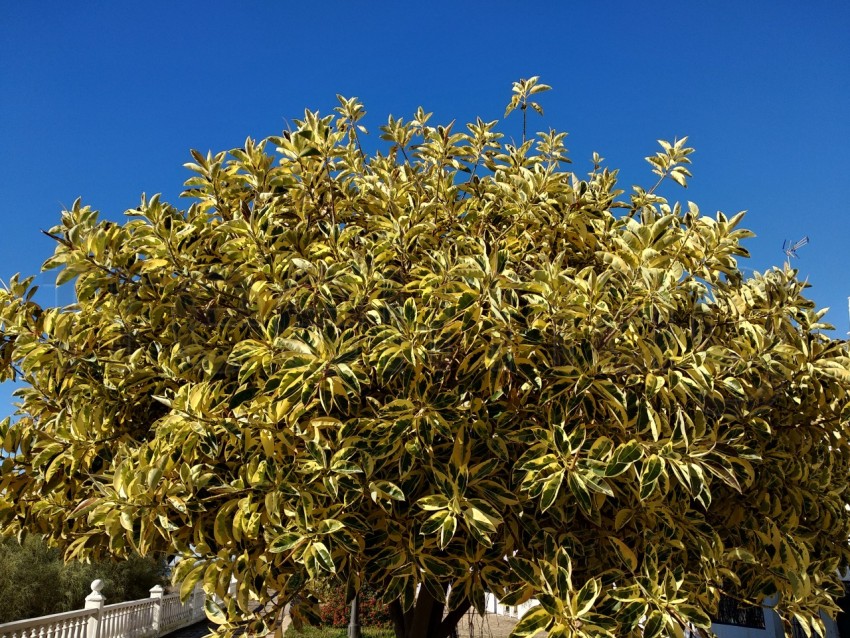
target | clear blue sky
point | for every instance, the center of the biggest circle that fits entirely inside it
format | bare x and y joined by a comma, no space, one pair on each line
104,99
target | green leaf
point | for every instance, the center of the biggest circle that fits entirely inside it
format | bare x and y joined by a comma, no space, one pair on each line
652,469
214,612
285,542
533,621
578,487
330,526
586,597
551,487
433,502
434,522
447,530
187,586
324,556
625,553
654,624
525,569
694,615
386,490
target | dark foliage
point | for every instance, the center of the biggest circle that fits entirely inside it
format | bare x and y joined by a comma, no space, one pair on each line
35,581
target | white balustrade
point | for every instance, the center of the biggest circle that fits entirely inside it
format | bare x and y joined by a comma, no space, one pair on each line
493,606
72,624
146,618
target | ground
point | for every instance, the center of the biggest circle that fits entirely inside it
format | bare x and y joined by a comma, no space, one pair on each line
472,626
490,626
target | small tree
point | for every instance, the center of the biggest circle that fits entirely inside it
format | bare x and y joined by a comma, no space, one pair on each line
35,581
448,367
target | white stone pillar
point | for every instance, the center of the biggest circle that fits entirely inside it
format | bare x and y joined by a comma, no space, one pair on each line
157,592
95,600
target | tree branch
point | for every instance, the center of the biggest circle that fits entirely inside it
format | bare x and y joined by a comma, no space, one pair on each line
397,616
452,619
420,627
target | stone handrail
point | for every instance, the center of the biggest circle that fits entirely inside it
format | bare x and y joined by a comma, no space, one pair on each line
146,618
70,624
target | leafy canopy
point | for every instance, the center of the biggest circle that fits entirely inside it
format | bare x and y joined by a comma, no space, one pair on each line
453,362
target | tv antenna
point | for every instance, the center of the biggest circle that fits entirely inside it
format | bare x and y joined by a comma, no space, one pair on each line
790,248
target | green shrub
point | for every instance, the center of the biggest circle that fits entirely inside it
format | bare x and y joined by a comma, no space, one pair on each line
35,581
335,612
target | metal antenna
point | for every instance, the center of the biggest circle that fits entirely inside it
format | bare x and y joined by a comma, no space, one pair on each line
790,248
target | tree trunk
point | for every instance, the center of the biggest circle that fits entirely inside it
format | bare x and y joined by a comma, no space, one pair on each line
426,619
354,620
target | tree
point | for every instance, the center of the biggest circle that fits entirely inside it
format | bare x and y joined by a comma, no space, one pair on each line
35,581
452,364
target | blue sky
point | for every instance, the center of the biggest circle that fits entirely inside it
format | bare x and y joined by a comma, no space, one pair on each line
104,99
